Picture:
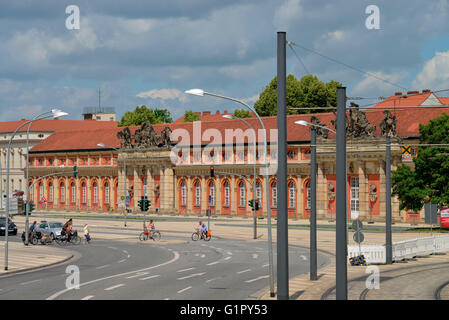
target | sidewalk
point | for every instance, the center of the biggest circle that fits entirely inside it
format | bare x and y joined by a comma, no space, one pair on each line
25,258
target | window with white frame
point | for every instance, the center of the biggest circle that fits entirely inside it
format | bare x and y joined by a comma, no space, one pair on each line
309,201
183,194
84,192
95,192
259,193
50,192
227,194
106,192
62,192
41,191
197,194
292,195
73,188
212,194
274,194
354,196
242,189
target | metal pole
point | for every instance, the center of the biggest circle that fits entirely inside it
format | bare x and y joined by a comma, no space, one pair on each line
313,244
126,191
282,213
341,215
388,218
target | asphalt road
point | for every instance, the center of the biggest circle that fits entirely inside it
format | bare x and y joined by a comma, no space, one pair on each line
175,270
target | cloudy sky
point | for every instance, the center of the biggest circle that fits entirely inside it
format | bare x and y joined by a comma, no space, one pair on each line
150,52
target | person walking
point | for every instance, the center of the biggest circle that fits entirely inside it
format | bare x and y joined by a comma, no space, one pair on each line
86,233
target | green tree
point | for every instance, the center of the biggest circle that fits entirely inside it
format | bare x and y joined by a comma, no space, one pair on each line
429,181
242,113
309,92
142,114
190,116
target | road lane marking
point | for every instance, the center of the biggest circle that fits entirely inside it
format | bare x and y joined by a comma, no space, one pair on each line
243,271
303,257
28,282
259,278
114,287
227,258
185,289
265,265
210,280
212,263
151,277
186,269
87,297
192,275
123,260
255,255
229,252
106,265
137,275
57,294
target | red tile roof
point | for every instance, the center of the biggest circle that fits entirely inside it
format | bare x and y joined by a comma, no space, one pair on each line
206,116
408,121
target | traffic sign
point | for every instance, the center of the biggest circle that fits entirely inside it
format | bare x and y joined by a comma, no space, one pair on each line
406,150
357,225
358,237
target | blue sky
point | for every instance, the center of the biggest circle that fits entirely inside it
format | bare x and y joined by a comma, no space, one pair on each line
150,52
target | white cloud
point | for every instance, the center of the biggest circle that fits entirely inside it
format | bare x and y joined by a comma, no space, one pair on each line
163,94
435,72
289,11
373,85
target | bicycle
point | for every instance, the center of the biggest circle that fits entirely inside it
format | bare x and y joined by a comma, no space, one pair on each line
145,235
198,234
74,239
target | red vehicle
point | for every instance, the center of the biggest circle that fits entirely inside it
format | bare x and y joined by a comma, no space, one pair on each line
444,217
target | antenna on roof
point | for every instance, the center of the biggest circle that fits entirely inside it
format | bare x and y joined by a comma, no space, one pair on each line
99,99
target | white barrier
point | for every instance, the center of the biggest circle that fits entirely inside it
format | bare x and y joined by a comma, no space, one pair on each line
401,250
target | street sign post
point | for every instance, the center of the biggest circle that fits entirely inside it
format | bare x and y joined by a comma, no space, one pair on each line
358,236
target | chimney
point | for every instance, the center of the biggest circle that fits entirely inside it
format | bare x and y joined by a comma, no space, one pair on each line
206,113
218,112
412,92
426,91
398,94
225,112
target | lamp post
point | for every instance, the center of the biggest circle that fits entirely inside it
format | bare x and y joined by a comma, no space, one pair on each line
313,237
201,93
124,170
227,116
55,113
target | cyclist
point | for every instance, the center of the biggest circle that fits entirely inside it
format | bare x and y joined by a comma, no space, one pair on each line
151,227
67,227
203,229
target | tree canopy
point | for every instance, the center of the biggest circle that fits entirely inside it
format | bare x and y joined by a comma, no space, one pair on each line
429,181
242,113
190,116
309,92
142,114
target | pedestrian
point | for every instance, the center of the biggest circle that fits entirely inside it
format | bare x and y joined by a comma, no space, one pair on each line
86,233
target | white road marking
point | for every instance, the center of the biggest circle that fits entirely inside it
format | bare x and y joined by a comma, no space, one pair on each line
28,282
210,280
114,287
57,294
227,258
106,265
185,289
87,298
265,265
212,263
255,255
123,260
243,271
192,275
137,275
259,278
112,248
303,257
186,269
229,252
151,277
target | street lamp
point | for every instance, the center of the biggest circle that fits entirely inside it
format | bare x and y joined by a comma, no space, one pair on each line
201,93
313,237
228,116
54,114
124,170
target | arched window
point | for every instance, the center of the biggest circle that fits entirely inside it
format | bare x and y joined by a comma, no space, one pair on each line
41,191
106,192
84,192
242,193
227,194
259,193
62,192
95,186
292,195
50,192
183,193
73,190
198,194
274,195
212,193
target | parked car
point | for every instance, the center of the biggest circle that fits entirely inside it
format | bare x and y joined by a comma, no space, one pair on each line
12,228
51,228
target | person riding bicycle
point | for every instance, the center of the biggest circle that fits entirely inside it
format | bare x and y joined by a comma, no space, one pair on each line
67,228
203,229
151,227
